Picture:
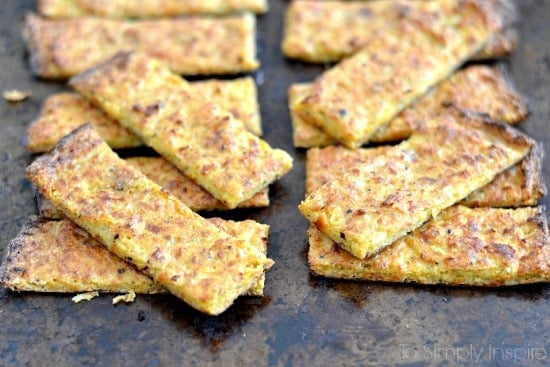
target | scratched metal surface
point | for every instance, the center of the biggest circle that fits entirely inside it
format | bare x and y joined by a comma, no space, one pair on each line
302,320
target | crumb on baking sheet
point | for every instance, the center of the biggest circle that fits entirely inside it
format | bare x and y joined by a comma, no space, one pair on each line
15,95
85,296
128,297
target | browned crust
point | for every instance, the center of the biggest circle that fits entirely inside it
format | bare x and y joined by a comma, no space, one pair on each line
495,130
63,48
59,256
520,185
191,257
473,247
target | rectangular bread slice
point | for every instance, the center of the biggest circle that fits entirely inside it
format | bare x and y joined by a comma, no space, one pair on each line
365,91
440,164
478,89
62,48
328,31
145,8
143,224
59,256
172,180
61,113
462,246
519,185
206,143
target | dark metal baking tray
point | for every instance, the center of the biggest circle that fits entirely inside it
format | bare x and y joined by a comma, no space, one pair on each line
302,320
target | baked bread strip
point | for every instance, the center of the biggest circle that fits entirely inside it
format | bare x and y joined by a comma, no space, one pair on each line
328,31
519,185
462,246
143,224
439,165
59,256
477,89
61,113
60,49
367,90
172,180
146,8
205,143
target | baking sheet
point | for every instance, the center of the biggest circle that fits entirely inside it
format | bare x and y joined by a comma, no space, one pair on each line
302,320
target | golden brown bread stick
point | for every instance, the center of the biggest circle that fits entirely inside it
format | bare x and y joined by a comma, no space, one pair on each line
407,184
143,224
63,48
206,143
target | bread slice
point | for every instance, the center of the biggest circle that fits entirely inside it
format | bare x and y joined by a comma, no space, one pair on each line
519,185
367,90
328,31
61,113
462,246
172,180
204,142
478,89
146,8
59,256
440,164
62,48
143,224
